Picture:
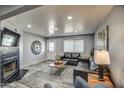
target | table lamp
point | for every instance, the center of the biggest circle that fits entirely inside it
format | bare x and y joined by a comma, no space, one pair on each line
101,58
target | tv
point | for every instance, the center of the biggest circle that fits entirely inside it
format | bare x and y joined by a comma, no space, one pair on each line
9,38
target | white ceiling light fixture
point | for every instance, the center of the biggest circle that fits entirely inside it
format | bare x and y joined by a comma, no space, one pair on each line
69,17
29,26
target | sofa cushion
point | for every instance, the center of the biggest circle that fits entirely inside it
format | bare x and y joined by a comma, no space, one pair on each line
67,55
74,60
75,55
66,59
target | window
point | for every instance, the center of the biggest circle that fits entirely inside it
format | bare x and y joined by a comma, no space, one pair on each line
68,45
73,45
51,46
78,45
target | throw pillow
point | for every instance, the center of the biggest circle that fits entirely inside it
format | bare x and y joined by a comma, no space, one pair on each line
67,55
75,55
93,65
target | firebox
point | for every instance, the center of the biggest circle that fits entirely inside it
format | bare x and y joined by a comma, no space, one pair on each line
9,68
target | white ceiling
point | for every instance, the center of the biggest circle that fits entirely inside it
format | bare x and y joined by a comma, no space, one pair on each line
85,19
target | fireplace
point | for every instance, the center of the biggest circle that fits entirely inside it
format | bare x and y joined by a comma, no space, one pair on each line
9,64
9,68
9,55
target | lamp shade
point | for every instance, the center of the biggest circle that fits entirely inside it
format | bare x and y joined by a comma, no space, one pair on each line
101,57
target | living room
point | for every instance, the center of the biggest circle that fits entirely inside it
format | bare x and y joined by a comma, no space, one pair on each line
49,35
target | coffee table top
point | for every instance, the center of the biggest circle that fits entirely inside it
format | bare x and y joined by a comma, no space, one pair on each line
57,65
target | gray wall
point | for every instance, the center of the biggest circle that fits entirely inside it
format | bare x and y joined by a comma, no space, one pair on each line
88,43
115,20
28,56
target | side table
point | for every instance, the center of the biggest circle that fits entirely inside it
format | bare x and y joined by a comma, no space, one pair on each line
93,80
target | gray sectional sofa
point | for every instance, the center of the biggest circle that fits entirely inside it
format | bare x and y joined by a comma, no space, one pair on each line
72,58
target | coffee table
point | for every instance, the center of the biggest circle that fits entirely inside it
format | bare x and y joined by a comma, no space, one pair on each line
58,67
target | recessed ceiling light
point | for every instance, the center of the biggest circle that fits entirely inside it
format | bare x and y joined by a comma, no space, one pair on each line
29,26
69,17
56,29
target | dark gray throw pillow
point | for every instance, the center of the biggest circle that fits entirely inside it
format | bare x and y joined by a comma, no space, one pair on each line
75,55
67,55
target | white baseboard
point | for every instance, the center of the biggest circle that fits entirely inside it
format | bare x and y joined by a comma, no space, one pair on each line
33,63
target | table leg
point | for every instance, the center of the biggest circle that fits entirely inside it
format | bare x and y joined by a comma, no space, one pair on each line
51,71
59,71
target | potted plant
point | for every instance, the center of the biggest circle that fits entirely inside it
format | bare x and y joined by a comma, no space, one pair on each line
92,53
57,59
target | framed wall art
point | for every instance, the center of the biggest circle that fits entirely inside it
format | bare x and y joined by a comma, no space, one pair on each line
103,39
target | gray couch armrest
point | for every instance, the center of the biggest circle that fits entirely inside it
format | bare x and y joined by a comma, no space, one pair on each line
82,74
81,83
